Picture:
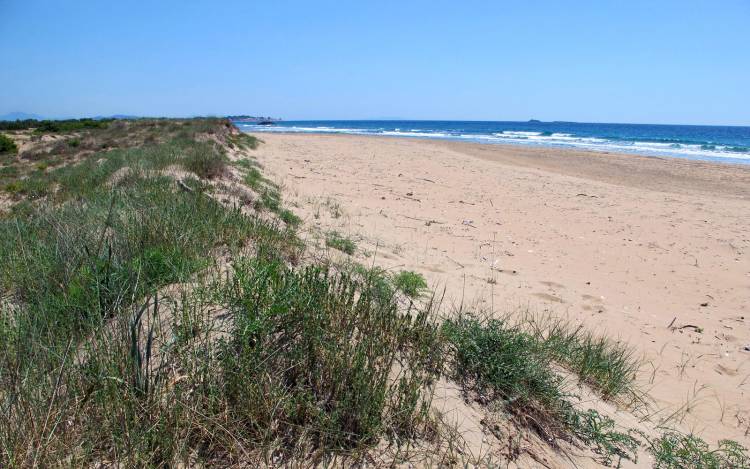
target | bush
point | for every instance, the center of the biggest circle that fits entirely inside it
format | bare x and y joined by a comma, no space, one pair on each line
411,284
69,125
7,145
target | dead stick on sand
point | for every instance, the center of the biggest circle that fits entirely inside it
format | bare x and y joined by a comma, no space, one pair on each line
458,263
424,220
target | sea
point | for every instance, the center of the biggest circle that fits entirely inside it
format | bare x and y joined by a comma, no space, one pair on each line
728,144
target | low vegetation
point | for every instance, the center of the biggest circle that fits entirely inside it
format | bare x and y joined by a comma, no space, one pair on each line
341,243
147,320
498,362
607,366
53,126
411,284
320,373
674,450
7,145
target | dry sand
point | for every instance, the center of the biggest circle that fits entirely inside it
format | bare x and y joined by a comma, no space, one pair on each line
626,245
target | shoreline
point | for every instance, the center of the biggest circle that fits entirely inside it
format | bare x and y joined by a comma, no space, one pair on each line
629,246
676,169
627,139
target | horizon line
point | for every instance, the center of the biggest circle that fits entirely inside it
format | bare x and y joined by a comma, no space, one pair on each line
388,119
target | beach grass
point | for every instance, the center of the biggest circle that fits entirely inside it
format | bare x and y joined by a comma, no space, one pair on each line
148,322
499,362
606,365
337,241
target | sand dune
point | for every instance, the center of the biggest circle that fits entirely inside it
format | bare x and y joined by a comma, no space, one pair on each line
655,252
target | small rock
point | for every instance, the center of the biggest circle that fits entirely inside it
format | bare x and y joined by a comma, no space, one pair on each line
704,304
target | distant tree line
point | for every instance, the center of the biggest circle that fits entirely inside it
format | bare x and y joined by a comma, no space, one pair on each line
65,125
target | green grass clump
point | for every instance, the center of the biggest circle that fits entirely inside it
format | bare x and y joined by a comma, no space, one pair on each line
411,284
606,365
289,218
244,141
341,243
205,161
254,179
7,145
374,279
676,451
503,363
270,199
500,361
311,358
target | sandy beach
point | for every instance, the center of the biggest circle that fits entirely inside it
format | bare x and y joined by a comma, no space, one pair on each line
651,251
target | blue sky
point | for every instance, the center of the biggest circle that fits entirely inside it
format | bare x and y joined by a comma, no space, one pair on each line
599,61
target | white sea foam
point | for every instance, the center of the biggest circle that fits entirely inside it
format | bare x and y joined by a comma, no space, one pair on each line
558,139
397,133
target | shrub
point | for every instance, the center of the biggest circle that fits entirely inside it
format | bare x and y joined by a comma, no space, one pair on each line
7,145
411,284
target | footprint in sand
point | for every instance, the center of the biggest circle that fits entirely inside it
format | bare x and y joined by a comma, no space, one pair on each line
596,306
548,297
552,284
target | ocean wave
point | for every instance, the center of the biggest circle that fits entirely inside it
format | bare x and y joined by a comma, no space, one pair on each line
397,133
645,146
